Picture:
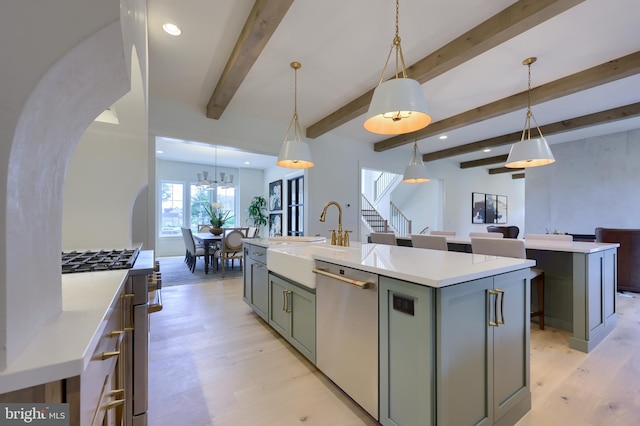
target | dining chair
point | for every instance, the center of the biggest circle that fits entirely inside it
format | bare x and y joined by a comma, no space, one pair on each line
204,228
445,233
511,231
230,248
434,242
550,237
510,247
486,235
193,251
388,238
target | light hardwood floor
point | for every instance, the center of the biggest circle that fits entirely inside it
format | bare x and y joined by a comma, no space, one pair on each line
214,362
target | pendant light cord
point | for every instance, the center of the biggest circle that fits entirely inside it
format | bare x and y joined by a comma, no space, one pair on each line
398,48
297,133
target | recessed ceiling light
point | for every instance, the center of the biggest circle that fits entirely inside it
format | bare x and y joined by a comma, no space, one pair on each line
171,29
159,152
247,162
486,150
443,137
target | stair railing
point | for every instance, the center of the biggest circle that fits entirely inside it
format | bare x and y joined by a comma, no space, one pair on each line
372,217
399,221
381,184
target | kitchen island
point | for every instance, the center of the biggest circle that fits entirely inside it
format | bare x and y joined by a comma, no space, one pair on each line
580,286
445,319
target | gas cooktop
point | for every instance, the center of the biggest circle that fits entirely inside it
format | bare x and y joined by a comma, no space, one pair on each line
103,260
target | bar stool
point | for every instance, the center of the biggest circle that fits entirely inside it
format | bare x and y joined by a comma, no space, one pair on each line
509,247
434,242
388,238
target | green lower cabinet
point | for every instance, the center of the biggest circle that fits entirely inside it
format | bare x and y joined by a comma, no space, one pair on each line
259,276
483,351
292,313
407,377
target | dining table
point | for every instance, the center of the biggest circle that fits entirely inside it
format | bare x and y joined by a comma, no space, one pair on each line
209,241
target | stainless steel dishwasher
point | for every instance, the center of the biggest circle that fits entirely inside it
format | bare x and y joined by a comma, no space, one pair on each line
347,331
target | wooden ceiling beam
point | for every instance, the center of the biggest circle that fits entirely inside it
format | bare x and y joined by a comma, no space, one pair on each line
264,18
510,22
600,74
503,170
517,176
602,117
483,162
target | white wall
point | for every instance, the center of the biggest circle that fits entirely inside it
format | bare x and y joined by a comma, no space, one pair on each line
422,203
594,182
105,174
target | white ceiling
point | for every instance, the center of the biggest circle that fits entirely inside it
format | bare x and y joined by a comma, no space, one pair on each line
342,46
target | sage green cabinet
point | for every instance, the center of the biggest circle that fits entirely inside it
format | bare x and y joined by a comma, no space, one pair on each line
600,269
482,351
407,342
292,313
256,279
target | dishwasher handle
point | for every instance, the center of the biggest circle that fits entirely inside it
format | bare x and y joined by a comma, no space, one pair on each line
356,283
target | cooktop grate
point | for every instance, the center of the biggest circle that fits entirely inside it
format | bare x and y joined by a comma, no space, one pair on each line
103,260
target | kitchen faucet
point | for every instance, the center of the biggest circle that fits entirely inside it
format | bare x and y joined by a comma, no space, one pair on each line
341,240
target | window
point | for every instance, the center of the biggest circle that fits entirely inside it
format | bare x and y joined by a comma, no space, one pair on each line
178,208
200,197
171,208
295,206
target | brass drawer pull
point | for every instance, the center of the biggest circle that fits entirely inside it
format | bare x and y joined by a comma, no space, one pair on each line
115,392
495,309
113,404
106,355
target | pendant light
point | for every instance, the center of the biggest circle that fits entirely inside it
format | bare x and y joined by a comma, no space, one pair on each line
528,152
415,172
211,183
398,105
295,153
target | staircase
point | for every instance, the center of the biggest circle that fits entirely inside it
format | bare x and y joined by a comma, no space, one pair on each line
374,220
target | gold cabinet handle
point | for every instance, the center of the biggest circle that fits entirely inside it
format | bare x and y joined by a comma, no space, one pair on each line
106,355
115,392
113,404
129,296
495,309
500,293
287,295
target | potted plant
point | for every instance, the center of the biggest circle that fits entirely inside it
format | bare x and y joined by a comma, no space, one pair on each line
258,213
218,217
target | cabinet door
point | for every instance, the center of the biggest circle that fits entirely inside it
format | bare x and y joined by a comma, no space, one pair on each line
259,288
511,343
407,346
303,322
278,305
465,353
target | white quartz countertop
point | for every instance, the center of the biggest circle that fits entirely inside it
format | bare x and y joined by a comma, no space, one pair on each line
64,347
433,268
565,246
273,241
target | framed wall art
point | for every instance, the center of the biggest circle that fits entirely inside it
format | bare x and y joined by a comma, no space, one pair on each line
488,208
275,195
275,224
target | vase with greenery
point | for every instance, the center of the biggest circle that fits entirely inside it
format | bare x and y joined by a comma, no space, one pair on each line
258,213
218,217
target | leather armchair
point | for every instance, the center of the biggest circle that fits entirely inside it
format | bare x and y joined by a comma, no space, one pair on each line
507,231
628,255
